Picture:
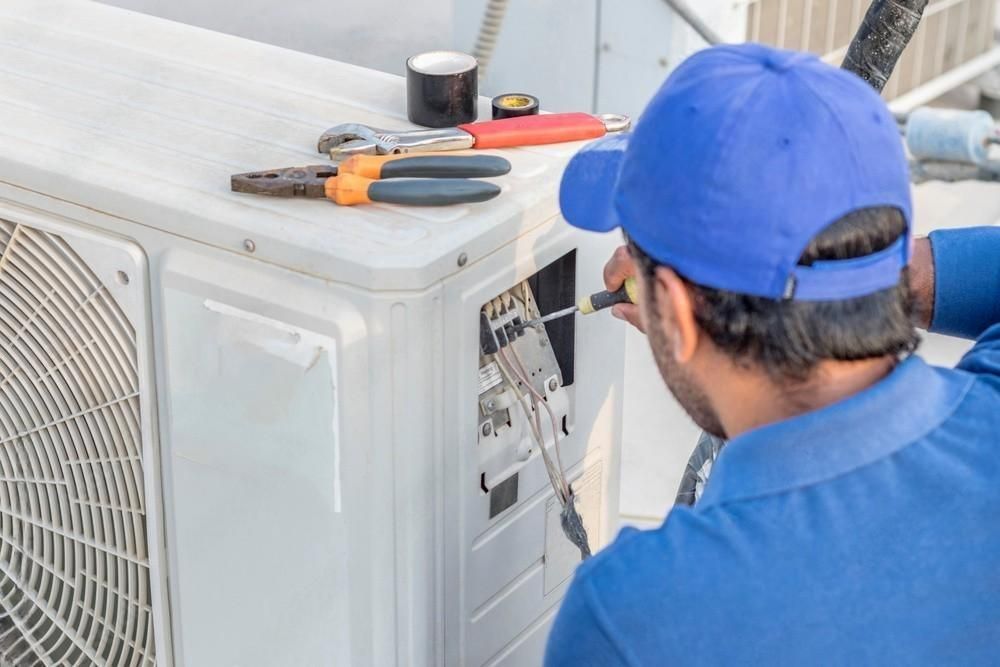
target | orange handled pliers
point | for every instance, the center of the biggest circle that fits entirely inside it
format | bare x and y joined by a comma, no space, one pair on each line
392,179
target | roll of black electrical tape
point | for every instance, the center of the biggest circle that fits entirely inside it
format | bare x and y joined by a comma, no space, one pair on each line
514,105
442,88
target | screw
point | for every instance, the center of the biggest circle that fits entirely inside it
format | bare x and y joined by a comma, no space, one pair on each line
491,405
553,384
487,428
249,245
463,259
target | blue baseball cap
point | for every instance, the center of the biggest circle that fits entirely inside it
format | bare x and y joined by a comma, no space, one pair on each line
743,157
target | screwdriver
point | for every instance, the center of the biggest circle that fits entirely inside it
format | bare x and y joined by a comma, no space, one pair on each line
628,293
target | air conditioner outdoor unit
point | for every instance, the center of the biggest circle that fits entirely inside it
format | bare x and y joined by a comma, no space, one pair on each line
244,431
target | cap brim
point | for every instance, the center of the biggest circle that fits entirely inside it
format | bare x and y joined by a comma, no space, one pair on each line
588,187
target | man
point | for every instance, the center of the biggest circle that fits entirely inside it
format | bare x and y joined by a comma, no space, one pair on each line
853,516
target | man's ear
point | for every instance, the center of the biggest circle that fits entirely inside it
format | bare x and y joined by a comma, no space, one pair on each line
677,307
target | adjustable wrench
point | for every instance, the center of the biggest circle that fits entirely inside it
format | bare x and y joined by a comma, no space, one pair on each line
343,141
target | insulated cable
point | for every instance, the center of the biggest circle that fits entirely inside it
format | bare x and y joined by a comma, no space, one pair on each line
540,400
569,519
556,476
526,297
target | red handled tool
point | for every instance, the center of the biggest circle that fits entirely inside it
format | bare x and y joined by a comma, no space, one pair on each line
344,141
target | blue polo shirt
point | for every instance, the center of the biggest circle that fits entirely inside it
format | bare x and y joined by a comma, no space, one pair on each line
864,533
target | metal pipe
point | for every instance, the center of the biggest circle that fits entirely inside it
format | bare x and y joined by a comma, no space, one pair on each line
948,81
689,16
886,30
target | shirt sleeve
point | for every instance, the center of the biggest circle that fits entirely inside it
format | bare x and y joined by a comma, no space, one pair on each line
578,638
966,281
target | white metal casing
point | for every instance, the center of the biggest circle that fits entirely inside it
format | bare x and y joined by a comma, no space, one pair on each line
309,372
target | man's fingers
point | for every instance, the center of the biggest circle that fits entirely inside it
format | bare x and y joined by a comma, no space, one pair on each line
618,268
629,313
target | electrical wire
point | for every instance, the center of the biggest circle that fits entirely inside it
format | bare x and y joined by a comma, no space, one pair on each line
540,400
569,518
527,298
556,477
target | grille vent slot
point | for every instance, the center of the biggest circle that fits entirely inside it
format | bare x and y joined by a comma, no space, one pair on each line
74,569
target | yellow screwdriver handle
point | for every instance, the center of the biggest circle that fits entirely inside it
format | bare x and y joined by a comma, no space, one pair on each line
629,293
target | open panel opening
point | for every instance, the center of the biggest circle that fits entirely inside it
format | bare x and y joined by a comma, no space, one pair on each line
525,374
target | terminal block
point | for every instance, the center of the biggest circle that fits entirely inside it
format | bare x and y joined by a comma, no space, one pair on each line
500,322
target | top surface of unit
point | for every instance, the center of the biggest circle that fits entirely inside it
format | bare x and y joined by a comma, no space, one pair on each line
145,120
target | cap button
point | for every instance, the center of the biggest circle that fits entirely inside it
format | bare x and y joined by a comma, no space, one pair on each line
780,62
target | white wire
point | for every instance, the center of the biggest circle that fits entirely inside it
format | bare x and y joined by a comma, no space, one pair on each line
556,475
536,431
539,399
525,297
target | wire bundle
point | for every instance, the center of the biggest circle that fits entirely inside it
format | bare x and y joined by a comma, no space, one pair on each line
515,374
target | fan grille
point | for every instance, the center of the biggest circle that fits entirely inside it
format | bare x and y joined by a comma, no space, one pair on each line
74,571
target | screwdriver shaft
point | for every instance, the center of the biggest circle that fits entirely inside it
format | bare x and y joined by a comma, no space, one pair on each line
555,316
592,304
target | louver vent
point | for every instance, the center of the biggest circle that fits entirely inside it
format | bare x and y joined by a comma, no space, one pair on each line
74,572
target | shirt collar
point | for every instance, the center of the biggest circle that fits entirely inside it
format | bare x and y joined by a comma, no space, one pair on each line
805,450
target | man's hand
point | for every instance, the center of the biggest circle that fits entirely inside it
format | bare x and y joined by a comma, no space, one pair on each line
620,267
922,283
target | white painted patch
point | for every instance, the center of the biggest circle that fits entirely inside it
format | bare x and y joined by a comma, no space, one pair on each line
295,345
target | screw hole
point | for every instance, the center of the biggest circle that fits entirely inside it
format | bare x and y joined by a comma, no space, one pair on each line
122,278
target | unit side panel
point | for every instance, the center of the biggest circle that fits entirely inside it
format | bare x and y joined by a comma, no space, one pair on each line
264,415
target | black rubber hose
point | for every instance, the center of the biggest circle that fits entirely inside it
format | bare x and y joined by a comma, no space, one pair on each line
888,27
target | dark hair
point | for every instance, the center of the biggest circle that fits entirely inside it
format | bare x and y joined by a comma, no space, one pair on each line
788,338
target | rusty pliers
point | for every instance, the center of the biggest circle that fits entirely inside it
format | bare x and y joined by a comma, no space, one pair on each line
343,141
